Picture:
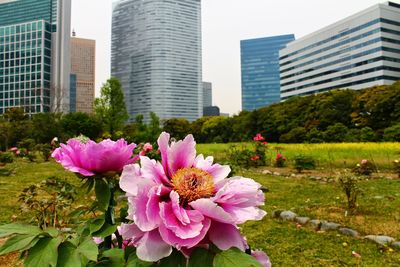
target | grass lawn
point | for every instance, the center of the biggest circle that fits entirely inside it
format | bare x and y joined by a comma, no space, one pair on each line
286,244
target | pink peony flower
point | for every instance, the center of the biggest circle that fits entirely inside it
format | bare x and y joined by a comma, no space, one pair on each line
185,202
93,158
13,149
258,137
147,147
364,162
261,257
254,158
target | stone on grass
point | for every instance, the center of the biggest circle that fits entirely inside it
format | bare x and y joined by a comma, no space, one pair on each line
380,239
288,215
349,232
276,213
316,224
302,220
266,172
329,226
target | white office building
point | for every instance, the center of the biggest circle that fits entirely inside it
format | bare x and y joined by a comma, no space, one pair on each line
156,54
360,51
207,94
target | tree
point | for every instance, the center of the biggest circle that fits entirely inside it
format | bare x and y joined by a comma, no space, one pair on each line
76,123
110,107
46,126
177,128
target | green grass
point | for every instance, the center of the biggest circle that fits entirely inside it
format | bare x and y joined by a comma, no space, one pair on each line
287,245
335,155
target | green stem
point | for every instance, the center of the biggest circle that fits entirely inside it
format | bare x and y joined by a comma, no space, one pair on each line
109,215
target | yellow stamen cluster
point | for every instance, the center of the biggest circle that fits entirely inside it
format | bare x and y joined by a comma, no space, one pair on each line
192,184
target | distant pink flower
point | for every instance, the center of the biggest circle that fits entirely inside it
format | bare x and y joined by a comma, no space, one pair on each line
185,202
13,149
261,257
93,158
265,143
258,137
364,162
147,147
254,158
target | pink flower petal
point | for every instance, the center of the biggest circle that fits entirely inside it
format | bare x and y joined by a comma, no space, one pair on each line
225,236
153,170
130,178
146,203
210,209
181,154
163,146
262,258
152,247
218,172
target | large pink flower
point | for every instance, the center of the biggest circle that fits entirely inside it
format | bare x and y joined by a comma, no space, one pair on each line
186,201
91,158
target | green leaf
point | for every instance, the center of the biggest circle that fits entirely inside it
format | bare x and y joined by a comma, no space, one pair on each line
68,256
116,256
234,257
19,242
9,229
44,253
53,232
103,194
134,261
106,230
201,257
88,249
96,224
176,259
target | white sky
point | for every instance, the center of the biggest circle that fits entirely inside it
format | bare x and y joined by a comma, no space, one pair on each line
224,24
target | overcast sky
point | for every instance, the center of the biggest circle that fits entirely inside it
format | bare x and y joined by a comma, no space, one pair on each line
224,24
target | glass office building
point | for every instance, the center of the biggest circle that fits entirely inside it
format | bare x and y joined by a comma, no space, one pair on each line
31,55
260,70
156,54
357,52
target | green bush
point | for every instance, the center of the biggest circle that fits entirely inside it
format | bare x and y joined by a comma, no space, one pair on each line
348,183
365,167
44,150
303,162
6,157
392,133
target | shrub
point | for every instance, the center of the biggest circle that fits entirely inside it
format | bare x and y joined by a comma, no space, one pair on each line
50,201
348,183
280,160
6,157
365,167
392,133
303,162
44,150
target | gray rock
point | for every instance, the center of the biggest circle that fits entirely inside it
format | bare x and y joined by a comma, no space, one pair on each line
316,224
276,174
266,172
302,220
293,175
276,213
380,239
329,226
288,215
396,245
349,232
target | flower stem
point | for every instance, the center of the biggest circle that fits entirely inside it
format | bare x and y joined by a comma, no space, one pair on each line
109,215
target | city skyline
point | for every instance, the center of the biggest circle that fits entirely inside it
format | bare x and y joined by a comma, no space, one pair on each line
222,31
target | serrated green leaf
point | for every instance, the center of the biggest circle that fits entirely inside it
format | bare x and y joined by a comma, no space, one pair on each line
18,243
106,230
234,257
103,194
68,256
96,224
116,256
44,253
176,259
9,229
88,249
201,257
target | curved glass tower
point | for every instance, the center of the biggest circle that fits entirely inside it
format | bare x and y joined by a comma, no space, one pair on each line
156,54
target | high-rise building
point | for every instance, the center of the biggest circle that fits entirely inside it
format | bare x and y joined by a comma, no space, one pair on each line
260,70
207,94
34,55
156,54
83,63
360,51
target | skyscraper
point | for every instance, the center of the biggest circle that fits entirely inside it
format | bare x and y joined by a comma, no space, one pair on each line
156,54
260,70
83,63
207,94
360,51
34,55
